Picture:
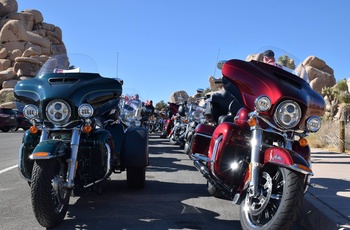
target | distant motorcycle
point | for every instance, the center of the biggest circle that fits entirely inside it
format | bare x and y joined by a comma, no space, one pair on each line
155,123
258,157
75,141
195,117
177,133
168,119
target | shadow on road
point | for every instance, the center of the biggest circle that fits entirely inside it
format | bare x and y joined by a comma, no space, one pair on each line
160,205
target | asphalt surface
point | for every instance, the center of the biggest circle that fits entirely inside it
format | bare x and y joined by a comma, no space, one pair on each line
175,196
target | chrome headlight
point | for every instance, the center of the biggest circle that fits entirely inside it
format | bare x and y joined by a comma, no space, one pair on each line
313,124
196,115
85,111
262,103
58,112
30,111
287,114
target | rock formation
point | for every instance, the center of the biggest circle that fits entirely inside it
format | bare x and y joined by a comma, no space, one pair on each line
26,43
320,74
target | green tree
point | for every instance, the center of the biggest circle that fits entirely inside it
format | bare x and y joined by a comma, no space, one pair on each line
160,105
286,61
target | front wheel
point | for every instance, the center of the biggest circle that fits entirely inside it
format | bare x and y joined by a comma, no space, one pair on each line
13,129
50,198
136,177
279,202
172,139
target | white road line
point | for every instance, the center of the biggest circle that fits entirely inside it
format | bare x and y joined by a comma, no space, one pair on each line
8,169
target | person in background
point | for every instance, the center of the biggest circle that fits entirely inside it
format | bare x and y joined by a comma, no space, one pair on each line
149,106
269,57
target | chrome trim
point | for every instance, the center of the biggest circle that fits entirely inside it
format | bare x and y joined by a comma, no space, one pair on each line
256,143
213,156
32,157
74,154
201,157
203,135
44,135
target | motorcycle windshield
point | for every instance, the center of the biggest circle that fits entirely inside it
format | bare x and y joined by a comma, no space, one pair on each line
283,79
74,80
132,107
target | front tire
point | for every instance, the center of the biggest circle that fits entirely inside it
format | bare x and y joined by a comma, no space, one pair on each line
172,139
50,198
279,203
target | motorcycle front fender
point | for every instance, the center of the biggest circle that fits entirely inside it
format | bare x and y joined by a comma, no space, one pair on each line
49,149
135,148
286,158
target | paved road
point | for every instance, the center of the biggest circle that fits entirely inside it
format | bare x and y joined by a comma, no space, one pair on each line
174,197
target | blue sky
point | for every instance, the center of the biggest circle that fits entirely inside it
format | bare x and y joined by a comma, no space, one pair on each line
163,46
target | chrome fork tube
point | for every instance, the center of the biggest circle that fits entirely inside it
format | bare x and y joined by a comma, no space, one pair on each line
44,135
72,161
256,143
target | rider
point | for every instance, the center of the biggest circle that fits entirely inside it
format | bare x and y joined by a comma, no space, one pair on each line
269,57
149,106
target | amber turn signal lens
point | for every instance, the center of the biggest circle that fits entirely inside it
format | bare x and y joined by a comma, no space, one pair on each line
41,154
252,122
303,142
33,129
87,129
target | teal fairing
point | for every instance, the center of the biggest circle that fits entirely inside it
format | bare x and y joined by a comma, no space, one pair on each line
75,88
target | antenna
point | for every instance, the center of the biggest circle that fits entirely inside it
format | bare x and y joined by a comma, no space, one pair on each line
217,58
117,63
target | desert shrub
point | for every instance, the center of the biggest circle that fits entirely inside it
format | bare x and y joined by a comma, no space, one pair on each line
329,136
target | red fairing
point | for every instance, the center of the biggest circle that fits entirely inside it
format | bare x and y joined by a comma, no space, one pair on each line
254,79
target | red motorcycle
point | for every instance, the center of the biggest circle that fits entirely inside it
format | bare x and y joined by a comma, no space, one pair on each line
258,156
169,120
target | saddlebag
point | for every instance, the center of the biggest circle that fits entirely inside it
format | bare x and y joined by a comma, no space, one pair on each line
202,139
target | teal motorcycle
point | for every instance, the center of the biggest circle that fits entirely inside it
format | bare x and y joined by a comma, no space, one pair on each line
76,140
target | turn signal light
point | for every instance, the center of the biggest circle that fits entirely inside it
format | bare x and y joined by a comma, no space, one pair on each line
252,122
33,129
303,167
87,129
303,142
41,154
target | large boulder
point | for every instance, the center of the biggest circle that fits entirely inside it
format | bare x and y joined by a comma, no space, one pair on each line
178,97
13,31
8,6
320,74
26,43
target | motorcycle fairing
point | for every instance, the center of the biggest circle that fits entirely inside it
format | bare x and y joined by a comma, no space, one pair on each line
76,88
254,79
